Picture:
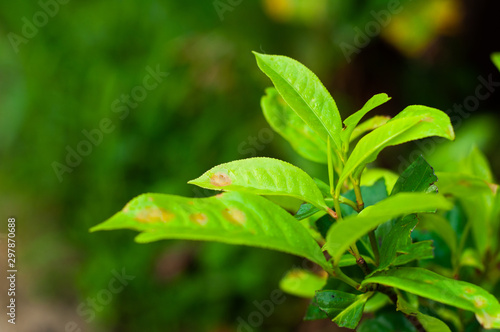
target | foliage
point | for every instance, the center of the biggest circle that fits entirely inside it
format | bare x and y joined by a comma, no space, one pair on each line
266,201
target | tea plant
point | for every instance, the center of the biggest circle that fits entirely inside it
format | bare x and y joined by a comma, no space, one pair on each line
359,228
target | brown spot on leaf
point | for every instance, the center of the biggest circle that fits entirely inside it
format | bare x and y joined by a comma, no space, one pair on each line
464,183
479,302
220,179
219,195
150,198
235,216
199,218
469,290
154,214
427,119
493,187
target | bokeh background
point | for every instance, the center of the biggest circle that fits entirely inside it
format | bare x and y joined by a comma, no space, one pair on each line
67,69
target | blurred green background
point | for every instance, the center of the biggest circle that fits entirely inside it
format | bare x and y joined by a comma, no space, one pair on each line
67,65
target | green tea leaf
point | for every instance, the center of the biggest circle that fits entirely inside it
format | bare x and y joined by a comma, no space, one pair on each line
396,240
344,309
350,317
430,324
346,232
305,94
234,218
323,187
302,283
352,121
434,123
453,292
414,122
314,312
419,176
292,128
306,210
415,251
262,176
370,124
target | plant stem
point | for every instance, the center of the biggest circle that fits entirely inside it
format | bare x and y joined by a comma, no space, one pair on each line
337,273
347,201
361,205
338,215
357,192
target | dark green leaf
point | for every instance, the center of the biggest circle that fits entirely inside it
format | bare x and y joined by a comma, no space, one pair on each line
306,210
344,309
343,234
396,240
415,251
419,176
453,292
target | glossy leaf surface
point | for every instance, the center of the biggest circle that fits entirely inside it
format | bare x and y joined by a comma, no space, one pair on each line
305,94
419,176
453,292
344,309
262,176
352,121
414,122
292,128
234,218
348,231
